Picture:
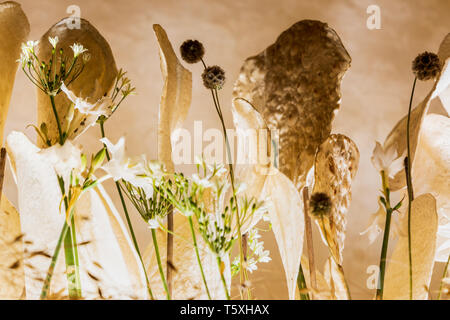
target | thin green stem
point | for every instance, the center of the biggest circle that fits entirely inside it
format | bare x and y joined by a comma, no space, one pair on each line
194,239
160,268
127,217
444,275
387,227
61,138
301,283
410,189
222,277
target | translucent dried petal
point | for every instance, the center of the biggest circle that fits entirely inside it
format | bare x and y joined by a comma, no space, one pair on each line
424,224
12,277
96,80
322,290
14,29
397,137
98,225
295,85
175,98
335,279
431,174
187,280
336,165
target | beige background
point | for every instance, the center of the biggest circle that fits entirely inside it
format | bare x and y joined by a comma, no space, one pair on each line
375,91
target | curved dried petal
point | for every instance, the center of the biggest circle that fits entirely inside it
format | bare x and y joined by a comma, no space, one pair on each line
431,174
96,80
322,290
424,224
295,85
336,165
106,243
14,29
335,279
288,223
187,280
397,137
175,98
12,277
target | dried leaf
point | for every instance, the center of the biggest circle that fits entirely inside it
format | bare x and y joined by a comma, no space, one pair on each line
335,278
96,80
12,279
322,291
397,137
288,223
336,165
175,98
14,29
431,174
187,281
39,194
295,85
423,243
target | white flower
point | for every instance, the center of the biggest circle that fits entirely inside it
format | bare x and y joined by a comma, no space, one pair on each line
153,223
53,41
119,166
201,182
27,52
387,160
77,49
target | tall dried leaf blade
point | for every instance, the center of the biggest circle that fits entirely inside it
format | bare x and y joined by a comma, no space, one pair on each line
175,98
14,29
424,224
431,174
96,80
336,165
12,278
295,85
288,223
187,280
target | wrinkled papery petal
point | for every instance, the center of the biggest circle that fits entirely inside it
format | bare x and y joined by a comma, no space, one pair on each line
424,224
336,165
397,137
187,280
12,278
98,225
14,30
96,80
431,173
175,98
377,223
295,85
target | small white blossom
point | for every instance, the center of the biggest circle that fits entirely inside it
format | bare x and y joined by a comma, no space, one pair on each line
153,223
201,182
387,160
77,49
53,41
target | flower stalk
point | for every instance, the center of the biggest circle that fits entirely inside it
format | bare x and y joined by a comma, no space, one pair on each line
160,268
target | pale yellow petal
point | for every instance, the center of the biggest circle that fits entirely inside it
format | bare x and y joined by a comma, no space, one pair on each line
175,98
14,29
423,243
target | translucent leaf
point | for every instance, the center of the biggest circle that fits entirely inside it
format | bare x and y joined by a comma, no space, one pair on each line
107,252
322,290
187,280
96,80
336,165
288,223
335,279
431,174
295,85
14,29
11,252
424,224
175,98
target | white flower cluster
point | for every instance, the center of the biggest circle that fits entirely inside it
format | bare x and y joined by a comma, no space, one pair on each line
257,253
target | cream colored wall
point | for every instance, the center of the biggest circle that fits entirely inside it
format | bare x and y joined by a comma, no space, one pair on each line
375,90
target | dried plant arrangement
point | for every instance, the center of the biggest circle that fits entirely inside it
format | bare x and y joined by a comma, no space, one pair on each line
287,170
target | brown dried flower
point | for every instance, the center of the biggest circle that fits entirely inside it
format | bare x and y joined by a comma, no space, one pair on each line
426,66
213,77
192,51
320,204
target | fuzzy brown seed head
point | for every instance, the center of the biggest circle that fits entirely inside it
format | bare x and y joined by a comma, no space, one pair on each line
320,204
426,66
192,51
213,77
